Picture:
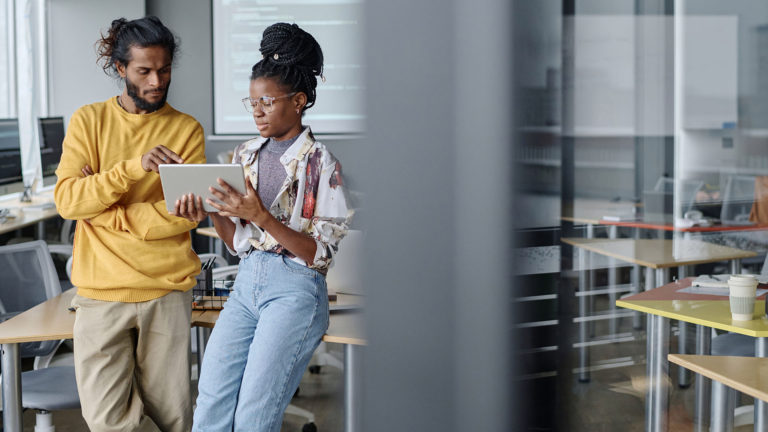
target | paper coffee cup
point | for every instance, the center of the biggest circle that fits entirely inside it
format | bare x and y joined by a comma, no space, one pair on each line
742,290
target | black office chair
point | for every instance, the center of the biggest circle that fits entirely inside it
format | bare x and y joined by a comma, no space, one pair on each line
29,278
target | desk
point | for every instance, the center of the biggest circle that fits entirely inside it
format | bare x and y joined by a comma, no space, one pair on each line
657,256
51,320
666,302
746,374
29,217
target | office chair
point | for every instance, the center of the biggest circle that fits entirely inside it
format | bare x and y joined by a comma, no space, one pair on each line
29,278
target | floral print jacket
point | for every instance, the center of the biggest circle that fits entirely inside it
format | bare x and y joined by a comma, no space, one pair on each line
311,200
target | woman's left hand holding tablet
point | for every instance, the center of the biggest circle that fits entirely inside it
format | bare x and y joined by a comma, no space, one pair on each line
190,207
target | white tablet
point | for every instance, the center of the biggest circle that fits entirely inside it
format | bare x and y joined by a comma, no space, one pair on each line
182,179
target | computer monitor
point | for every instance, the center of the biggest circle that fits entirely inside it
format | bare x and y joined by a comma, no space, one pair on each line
10,157
51,139
738,196
659,202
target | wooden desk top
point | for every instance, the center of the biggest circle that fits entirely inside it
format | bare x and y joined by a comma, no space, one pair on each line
49,320
28,217
52,320
207,231
672,227
746,374
707,310
660,253
345,326
591,211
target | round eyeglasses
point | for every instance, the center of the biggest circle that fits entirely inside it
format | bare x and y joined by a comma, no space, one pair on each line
266,103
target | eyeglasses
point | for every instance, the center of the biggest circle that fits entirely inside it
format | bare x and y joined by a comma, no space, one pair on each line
267,103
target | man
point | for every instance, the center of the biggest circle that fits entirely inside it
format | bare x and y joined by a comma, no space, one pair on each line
133,262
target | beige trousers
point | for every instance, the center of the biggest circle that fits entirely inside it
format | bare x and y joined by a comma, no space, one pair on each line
132,363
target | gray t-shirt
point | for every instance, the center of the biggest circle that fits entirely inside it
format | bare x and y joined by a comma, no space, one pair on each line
271,171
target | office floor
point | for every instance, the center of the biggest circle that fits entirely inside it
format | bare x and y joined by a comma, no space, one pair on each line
614,398
322,394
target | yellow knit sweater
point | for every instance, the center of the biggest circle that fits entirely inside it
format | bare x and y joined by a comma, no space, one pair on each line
127,247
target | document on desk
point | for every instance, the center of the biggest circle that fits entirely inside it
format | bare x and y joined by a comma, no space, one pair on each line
718,285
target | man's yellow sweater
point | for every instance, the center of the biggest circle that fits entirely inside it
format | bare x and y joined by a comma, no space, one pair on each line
127,247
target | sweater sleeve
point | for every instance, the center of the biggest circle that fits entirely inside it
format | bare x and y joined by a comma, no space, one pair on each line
79,197
145,221
151,221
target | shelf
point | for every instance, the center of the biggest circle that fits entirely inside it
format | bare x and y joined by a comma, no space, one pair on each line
584,164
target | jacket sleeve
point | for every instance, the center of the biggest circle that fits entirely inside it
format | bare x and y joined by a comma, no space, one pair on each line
331,218
79,197
151,221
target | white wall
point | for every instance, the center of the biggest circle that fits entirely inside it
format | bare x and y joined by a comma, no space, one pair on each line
75,79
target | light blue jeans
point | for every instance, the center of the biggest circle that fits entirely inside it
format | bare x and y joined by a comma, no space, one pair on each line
261,345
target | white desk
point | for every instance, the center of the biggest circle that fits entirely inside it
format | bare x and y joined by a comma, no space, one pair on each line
28,213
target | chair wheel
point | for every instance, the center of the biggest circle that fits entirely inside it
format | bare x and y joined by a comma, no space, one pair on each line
314,369
309,427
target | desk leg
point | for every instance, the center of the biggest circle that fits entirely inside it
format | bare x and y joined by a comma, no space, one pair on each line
584,325
590,281
701,407
40,234
613,272
761,408
736,266
658,385
352,374
683,374
11,388
723,404
202,335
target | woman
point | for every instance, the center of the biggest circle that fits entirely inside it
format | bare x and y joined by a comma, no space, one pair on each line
278,311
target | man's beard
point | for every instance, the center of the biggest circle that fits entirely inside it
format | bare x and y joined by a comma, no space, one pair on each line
140,102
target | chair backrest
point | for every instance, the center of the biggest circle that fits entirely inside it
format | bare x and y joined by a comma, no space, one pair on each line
738,196
345,275
28,279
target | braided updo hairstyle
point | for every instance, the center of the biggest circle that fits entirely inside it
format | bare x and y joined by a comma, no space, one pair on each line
291,55
115,46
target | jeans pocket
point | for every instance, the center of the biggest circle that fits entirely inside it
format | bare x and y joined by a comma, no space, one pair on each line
297,268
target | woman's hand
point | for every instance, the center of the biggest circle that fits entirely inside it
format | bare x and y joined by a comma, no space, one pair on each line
190,207
232,203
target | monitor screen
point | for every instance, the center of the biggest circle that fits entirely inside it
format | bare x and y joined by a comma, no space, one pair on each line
51,139
10,151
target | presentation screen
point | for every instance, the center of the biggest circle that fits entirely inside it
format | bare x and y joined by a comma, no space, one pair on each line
336,25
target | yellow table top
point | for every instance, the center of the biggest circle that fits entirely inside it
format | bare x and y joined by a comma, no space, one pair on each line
746,374
706,310
660,253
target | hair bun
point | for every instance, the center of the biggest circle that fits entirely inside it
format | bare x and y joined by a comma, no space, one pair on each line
288,45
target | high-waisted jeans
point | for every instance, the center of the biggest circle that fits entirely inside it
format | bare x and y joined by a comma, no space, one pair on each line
261,345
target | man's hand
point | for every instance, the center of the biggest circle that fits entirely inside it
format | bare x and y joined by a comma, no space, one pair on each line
190,207
159,155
